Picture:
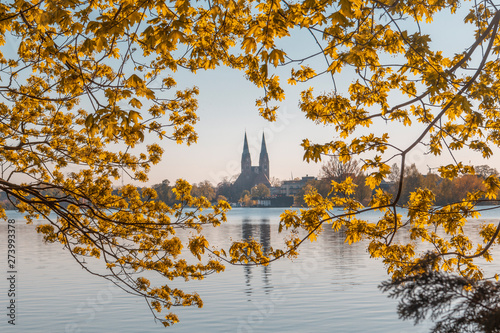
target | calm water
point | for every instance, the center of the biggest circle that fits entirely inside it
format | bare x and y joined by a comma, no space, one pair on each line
331,287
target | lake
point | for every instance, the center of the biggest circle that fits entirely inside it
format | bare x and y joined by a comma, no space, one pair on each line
330,287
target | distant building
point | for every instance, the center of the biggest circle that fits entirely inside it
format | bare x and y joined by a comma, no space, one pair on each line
275,201
275,190
385,185
253,175
292,187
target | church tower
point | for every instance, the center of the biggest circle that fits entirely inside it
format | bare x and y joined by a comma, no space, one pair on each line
246,162
252,175
264,158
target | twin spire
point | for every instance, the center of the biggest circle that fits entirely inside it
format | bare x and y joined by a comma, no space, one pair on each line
246,161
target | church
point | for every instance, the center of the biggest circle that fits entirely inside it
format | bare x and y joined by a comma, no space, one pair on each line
253,175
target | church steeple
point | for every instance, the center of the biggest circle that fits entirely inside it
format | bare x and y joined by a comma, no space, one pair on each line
264,158
246,161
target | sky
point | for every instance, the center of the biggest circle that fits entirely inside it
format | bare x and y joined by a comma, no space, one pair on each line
227,110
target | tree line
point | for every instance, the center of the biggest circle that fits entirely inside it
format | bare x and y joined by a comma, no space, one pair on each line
224,190
446,191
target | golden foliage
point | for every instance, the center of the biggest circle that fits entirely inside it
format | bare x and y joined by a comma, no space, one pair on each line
81,78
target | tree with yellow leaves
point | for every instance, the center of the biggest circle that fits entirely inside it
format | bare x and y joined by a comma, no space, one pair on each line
85,82
80,88
401,85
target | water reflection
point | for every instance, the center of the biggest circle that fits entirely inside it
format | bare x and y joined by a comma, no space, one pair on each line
260,230
265,240
247,234
329,287
330,253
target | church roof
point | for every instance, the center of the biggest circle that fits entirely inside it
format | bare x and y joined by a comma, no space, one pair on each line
245,145
263,149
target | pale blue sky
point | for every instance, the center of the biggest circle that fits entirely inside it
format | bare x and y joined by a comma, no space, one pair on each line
227,109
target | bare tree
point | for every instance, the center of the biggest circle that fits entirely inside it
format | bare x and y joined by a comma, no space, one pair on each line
334,169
